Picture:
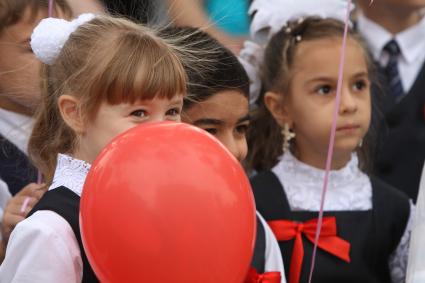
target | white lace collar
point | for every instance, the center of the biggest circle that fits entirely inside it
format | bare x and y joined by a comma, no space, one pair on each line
70,173
348,188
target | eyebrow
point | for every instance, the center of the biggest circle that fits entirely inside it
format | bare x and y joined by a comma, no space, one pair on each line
208,121
319,79
329,79
243,119
361,74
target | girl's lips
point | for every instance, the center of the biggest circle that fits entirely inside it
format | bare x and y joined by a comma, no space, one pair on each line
348,128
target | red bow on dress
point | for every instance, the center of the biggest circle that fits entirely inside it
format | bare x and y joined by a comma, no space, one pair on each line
267,277
286,230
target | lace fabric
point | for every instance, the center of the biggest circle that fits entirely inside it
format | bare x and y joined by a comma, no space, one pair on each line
349,189
70,173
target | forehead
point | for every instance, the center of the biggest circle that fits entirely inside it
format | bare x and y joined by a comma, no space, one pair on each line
224,105
322,56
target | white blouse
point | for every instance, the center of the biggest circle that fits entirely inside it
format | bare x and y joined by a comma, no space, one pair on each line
349,189
411,42
43,247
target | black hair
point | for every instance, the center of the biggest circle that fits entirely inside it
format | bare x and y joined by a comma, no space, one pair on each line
220,71
139,11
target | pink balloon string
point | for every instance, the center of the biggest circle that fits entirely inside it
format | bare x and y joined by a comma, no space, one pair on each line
39,177
50,8
331,140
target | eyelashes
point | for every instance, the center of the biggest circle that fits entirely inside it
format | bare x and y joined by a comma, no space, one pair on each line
357,86
139,113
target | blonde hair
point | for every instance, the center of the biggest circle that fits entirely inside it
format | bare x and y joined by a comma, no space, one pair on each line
105,60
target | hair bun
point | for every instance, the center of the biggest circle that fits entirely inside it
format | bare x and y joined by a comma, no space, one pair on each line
50,35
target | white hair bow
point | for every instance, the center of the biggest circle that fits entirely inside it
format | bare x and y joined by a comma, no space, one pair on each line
269,16
50,35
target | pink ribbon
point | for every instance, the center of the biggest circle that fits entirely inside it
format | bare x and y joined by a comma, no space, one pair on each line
331,140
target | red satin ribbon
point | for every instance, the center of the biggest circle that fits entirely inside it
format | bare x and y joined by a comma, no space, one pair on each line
267,277
286,230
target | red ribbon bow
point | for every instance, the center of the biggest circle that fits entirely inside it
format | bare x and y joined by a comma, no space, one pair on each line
267,277
286,230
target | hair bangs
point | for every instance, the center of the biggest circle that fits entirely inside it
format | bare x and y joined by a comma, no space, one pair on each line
131,75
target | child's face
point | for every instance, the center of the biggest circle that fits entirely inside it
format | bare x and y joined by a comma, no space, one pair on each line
112,120
224,115
19,69
310,105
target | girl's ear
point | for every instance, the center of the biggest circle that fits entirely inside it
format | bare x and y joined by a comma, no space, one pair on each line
277,108
69,109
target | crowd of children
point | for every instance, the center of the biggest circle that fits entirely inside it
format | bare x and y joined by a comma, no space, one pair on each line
69,85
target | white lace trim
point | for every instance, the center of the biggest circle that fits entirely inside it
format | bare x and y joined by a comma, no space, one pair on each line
70,173
348,188
399,258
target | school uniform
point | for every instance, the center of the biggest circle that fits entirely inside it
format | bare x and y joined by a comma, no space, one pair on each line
47,246
366,228
416,266
399,120
16,171
44,246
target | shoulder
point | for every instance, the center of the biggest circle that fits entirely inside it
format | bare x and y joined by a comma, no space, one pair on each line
273,256
386,192
264,179
35,243
392,208
45,230
47,223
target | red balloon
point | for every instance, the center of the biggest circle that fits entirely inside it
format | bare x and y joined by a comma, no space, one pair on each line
166,202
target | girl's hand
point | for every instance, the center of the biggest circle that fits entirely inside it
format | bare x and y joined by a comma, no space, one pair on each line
18,207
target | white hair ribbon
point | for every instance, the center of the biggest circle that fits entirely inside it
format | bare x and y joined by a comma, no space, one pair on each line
269,16
50,35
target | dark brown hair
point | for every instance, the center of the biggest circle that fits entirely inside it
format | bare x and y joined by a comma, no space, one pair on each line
264,136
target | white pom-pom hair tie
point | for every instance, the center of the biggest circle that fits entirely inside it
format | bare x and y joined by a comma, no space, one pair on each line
50,35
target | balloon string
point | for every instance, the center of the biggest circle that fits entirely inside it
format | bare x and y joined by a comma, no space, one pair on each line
39,177
50,8
331,140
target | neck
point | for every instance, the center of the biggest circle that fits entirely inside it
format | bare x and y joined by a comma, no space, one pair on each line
14,107
339,160
394,18
82,154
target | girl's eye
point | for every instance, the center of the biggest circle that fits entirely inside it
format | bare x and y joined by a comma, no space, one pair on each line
360,85
139,113
212,131
242,129
324,90
173,112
